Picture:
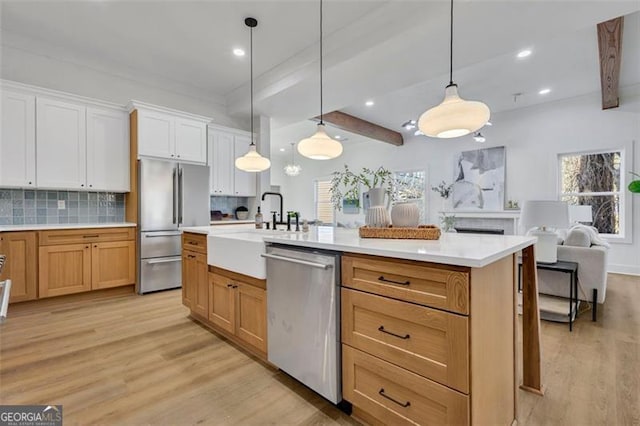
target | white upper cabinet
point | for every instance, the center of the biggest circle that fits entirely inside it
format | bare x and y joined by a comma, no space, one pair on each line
221,162
107,150
191,140
244,182
61,144
156,134
171,135
18,140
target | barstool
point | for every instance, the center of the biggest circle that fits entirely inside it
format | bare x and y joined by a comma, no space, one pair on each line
6,291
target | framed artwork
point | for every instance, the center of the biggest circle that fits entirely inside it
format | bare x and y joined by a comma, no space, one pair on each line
478,182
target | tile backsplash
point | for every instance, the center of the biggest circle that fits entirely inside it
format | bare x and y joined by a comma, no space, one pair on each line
228,204
28,207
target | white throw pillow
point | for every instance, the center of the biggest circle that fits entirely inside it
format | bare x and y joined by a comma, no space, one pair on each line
578,238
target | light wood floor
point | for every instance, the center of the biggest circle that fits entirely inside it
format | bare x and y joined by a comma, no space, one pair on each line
140,360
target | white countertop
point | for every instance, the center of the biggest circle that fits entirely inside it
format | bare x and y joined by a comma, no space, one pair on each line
473,250
217,229
51,226
231,222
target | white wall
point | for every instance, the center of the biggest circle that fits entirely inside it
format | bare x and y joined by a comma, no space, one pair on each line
68,76
533,138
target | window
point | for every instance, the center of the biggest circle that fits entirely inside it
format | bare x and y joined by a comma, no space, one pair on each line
411,186
324,208
596,179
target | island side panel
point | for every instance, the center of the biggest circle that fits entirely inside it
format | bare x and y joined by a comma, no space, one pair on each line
492,345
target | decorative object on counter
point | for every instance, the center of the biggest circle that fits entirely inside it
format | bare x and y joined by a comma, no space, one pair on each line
252,161
444,191
259,219
455,116
351,206
405,214
320,146
422,232
241,213
512,205
377,217
448,223
634,185
292,169
305,225
216,215
479,182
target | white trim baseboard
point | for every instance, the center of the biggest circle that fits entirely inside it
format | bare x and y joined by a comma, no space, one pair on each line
624,269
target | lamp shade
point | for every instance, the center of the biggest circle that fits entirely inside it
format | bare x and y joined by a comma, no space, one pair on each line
320,146
544,213
580,214
252,161
454,117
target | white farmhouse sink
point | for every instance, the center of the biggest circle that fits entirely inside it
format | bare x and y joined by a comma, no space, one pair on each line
240,251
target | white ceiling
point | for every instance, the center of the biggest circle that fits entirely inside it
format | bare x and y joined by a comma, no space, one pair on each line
392,51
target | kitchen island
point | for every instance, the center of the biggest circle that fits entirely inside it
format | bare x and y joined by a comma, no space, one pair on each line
428,328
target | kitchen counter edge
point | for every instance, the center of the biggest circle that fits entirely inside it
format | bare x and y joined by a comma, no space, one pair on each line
55,226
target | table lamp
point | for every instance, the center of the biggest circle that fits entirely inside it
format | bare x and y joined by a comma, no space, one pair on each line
580,214
542,215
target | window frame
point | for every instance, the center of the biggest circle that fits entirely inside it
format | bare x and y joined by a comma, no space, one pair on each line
626,203
426,192
315,199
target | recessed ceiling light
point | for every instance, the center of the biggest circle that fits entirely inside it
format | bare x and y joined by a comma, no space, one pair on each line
544,91
281,149
479,137
238,52
369,103
524,53
338,137
409,125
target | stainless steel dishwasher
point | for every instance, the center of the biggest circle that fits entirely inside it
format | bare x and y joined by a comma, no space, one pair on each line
303,310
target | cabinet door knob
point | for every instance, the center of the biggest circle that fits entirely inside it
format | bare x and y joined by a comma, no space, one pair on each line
90,186
82,185
229,285
86,246
96,246
29,182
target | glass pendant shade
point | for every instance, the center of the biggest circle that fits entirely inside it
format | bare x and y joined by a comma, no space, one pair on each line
252,161
292,170
320,146
454,117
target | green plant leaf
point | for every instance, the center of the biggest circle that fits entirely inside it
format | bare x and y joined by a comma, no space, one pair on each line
634,186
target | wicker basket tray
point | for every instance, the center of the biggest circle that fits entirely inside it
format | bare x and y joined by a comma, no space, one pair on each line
422,232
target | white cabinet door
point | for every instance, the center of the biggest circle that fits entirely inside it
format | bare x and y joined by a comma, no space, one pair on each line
107,150
223,163
156,134
18,140
61,158
244,182
191,140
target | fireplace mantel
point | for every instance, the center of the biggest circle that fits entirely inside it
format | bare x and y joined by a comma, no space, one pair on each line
504,219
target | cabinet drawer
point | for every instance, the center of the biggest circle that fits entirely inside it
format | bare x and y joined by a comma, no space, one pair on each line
426,341
426,284
196,242
396,396
86,235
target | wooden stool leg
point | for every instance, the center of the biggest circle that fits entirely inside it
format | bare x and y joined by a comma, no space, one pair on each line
531,348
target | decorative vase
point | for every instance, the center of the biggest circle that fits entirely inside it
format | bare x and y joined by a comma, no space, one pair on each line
405,214
377,217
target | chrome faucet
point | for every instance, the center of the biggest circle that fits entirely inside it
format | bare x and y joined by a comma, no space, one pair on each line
277,194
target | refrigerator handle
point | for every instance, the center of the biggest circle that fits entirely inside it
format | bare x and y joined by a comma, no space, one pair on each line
173,181
180,195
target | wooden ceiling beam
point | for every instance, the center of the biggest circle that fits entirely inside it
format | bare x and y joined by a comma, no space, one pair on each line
361,127
610,48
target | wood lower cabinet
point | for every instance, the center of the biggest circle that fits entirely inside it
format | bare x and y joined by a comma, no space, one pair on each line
238,308
98,259
194,282
113,264
424,343
21,266
64,269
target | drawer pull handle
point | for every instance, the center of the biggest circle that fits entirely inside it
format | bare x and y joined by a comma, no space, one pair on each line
193,243
90,236
229,285
405,405
383,279
406,336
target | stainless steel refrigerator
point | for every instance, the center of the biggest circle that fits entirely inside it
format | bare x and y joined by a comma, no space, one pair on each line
171,195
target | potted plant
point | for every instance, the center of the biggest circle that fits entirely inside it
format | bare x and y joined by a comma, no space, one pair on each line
345,185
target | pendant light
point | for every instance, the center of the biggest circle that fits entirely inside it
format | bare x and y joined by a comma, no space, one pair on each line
455,116
252,161
292,169
320,146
